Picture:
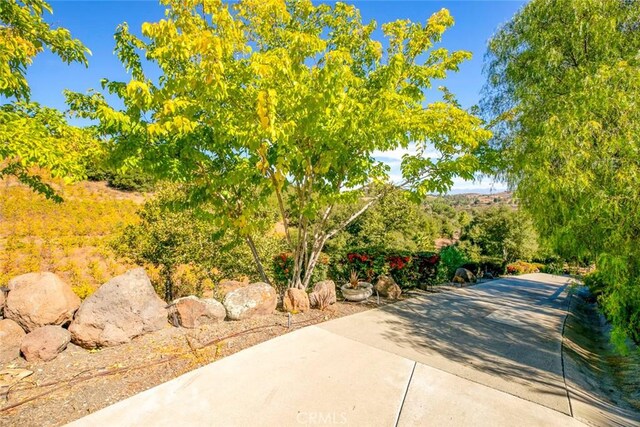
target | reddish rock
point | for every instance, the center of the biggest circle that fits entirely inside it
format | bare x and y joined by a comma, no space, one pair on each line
45,343
387,287
323,295
39,299
295,301
121,309
192,312
11,335
257,299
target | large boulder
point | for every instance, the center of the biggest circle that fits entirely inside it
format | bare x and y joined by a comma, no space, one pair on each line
256,299
121,309
295,300
192,312
323,295
464,276
387,287
39,299
45,343
11,335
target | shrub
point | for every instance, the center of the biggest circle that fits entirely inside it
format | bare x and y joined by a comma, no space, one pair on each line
100,168
172,237
556,267
407,269
190,279
500,232
596,283
522,267
131,181
620,306
451,258
282,269
495,266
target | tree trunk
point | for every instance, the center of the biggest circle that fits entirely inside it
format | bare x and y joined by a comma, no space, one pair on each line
256,258
313,260
168,284
321,238
308,265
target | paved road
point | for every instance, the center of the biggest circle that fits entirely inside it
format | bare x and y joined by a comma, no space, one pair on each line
486,355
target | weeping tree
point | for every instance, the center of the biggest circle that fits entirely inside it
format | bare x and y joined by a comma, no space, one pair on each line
258,98
33,137
563,88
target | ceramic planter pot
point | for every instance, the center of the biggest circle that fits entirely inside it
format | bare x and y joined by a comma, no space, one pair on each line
361,293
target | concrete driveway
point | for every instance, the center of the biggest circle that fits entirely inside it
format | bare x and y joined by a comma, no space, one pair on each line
486,355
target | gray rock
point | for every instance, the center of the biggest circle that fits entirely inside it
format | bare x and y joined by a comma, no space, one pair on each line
464,276
45,343
256,299
40,299
192,312
121,309
11,335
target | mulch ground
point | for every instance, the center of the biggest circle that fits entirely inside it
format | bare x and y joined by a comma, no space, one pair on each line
79,382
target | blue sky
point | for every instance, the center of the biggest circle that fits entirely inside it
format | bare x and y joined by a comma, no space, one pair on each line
94,23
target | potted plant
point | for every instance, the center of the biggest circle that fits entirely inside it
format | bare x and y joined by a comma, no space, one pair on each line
356,290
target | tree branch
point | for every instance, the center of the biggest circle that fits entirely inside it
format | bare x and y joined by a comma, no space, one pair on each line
282,210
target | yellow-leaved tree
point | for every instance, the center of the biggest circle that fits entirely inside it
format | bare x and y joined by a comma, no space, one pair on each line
263,97
34,137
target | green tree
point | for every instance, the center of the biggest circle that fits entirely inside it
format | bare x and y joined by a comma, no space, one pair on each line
31,136
396,222
269,97
563,85
171,233
503,233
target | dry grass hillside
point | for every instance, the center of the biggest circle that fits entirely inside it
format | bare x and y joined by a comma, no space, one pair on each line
479,201
70,239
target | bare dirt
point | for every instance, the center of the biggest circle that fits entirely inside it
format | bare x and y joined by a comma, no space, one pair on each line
79,381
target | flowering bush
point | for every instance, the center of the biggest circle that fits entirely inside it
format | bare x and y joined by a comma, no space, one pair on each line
522,267
408,269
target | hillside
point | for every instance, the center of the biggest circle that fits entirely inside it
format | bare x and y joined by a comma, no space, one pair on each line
71,238
467,201
74,239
